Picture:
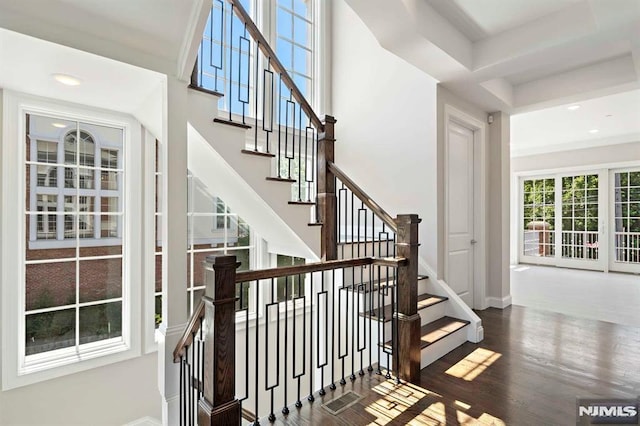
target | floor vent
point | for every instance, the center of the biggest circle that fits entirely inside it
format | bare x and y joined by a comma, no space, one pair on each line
344,401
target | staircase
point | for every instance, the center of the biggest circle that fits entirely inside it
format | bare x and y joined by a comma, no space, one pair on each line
368,304
440,332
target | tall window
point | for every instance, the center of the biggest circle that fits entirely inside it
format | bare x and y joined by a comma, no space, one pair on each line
294,42
626,186
539,217
73,260
580,217
213,230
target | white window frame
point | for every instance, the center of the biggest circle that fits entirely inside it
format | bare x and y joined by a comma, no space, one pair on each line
15,372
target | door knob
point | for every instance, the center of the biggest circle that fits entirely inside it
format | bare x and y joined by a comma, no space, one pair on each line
473,241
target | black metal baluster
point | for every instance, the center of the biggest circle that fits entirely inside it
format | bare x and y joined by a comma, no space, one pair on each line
299,152
268,387
244,100
217,68
280,125
286,134
304,340
310,398
188,387
285,409
256,366
255,93
267,100
231,63
183,401
332,386
320,365
202,349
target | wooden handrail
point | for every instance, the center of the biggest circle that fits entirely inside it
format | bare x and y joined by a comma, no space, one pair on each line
263,274
277,65
368,201
187,336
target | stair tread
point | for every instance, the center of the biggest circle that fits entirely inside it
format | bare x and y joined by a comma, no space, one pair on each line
207,91
231,123
385,284
258,153
280,179
437,330
424,301
302,203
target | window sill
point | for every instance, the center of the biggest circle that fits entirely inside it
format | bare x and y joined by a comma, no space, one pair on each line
41,367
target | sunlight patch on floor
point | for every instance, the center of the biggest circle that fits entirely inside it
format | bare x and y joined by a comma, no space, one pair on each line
473,364
414,405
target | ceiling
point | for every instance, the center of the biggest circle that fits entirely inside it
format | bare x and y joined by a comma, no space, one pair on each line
530,58
148,33
515,55
106,83
602,121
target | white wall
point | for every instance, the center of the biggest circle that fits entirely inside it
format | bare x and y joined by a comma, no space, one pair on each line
386,129
111,395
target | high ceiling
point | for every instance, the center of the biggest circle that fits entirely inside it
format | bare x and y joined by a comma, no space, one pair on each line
515,55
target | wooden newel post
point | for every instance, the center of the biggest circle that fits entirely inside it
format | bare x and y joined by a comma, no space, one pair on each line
326,200
407,316
218,405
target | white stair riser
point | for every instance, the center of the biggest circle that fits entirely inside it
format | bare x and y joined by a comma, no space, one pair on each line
433,352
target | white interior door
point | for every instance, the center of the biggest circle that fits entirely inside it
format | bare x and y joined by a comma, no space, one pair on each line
460,208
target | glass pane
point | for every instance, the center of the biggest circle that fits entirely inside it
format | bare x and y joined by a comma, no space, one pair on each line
100,322
284,23
50,284
47,152
158,311
86,178
49,331
109,180
86,150
158,286
109,158
86,225
100,279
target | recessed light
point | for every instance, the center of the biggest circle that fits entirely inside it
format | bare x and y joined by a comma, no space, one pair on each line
59,125
594,131
609,115
66,79
573,107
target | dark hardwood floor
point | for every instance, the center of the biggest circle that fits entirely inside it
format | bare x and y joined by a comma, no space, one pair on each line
529,370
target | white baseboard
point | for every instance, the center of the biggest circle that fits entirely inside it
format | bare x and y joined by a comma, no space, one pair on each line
145,421
500,303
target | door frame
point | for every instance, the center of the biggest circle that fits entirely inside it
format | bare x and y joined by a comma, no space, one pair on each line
479,129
